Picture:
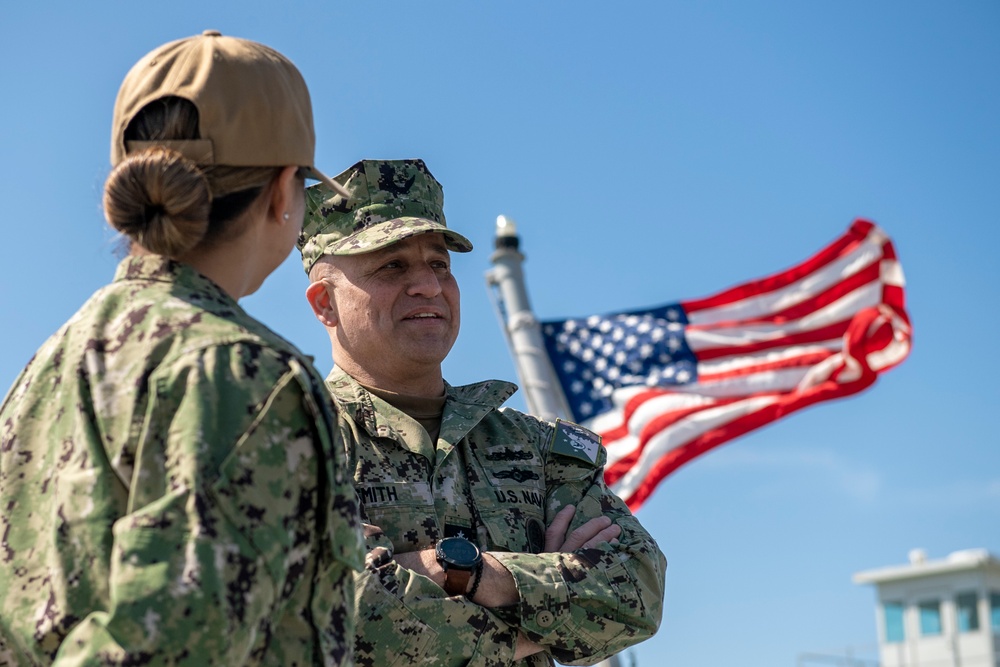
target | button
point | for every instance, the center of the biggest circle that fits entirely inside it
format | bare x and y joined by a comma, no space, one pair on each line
211,33
545,618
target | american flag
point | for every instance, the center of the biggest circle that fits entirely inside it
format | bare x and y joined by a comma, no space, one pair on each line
664,385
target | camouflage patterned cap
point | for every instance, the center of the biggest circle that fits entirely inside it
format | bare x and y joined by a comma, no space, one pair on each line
390,200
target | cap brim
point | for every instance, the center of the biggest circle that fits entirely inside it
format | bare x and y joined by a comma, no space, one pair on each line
316,174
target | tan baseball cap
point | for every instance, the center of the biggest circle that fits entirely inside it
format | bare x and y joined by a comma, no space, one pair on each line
253,106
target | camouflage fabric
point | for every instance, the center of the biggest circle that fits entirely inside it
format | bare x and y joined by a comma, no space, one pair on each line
499,477
172,489
390,200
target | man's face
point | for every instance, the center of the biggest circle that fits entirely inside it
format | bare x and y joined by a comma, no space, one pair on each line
397,308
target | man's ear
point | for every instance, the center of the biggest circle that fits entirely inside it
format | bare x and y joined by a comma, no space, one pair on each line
318,295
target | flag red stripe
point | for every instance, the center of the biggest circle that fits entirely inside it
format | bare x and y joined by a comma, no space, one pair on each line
783,406
807,359
869,274
855,236
662,421
829,332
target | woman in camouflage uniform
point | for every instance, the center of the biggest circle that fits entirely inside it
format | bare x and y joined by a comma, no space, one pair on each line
171,488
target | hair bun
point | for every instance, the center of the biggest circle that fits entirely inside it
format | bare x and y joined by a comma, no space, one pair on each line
160,200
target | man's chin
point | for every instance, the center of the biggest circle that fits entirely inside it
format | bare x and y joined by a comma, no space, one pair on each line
430,353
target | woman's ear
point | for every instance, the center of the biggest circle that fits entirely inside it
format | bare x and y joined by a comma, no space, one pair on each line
284,189
318,294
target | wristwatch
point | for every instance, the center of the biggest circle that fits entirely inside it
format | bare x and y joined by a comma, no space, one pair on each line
459,557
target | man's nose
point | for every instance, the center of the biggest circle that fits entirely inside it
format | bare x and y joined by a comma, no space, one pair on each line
423,281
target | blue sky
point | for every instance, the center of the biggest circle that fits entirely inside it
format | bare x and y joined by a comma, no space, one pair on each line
649,152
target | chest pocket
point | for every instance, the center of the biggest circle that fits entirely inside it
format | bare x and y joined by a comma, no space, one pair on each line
511,498
394,491
400,509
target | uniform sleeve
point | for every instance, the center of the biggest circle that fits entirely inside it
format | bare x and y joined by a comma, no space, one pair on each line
228,530
593,603
406,619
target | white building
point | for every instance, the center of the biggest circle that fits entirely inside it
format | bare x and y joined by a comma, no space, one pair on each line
938,613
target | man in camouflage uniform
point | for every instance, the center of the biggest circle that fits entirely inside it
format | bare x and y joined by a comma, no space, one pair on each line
432,461
172,489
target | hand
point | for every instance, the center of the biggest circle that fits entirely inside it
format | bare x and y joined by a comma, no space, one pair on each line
589,535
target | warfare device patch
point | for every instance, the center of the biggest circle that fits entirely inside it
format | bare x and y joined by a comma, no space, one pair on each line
516,474
576,441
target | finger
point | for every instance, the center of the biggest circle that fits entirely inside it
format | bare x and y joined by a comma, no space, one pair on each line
371,531
555,534
584,533
610,533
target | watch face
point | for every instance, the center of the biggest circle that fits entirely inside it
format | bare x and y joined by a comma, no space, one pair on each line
458,552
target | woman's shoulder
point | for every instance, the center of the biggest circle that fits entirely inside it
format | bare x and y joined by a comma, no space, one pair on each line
148,324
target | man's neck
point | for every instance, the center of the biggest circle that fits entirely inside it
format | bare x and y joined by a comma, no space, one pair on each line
425,411
427,385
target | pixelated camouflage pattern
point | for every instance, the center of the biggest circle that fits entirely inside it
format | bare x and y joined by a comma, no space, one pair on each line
173,489
390,200
582,606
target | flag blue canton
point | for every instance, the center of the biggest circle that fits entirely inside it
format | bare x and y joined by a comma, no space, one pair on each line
595,355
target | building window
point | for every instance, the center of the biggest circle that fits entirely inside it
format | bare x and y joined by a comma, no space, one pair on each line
893,612
968,614
930,617
995,611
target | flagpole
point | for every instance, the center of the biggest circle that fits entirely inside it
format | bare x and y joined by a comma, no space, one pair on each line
524,334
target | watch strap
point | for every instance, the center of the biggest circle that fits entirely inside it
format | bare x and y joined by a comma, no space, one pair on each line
456,581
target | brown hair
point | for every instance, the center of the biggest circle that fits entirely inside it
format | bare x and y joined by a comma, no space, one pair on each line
167,203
